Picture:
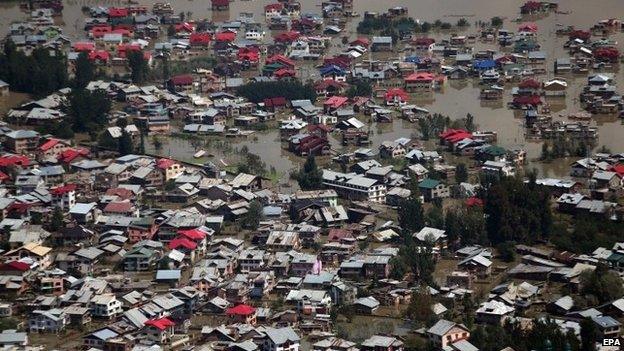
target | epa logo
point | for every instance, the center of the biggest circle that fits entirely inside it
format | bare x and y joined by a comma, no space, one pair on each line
611,342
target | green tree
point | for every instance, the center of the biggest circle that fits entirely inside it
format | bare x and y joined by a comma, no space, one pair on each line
87,110
251,163
605,285
462,22
36,218
141,149
517,211
165,69
125,143
360,87
57,220
310,176
469,123
85,71
461,173
411,215
507,251
157,143
254,215
289,89
496,21
40,73
420,304
138,67
170,185
589,335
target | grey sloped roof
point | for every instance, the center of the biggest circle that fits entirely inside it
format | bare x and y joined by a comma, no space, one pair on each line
135,317
441,327
282,335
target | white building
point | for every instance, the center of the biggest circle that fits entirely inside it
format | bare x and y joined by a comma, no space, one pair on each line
282,339
355,187
106,306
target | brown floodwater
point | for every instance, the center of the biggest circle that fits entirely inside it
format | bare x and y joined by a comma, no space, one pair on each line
456,99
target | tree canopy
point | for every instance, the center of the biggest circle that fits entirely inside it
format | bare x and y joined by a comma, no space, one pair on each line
310,176
291,90
517,211
40,73
85,71
138,67
87,110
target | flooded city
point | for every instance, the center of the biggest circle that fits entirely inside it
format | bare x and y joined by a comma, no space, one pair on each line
455,99
313,175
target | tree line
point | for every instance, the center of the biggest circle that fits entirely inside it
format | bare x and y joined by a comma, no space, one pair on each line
289,89
42,72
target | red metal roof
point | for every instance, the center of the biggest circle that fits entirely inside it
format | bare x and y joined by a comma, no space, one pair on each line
423,41
64,189
184,79
193,234
527,100
241,310
365,42
14,160
530,83
48,144
394,93
120,192
528,27
164,163
225,36
83,46
336,101
286,37
337,234
420,76
474,201
116,12
118,207
273,7
15,266
70,155
200,38
101,55
279,101
184,27
161,323
182,242
280,59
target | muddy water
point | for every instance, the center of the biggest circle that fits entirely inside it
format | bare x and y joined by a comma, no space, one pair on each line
456,99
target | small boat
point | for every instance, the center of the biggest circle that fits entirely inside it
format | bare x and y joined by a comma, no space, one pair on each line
199,153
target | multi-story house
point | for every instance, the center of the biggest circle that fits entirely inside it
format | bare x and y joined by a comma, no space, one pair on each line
355,187
105,306
282,339
444,333
139,259
50,321
22,141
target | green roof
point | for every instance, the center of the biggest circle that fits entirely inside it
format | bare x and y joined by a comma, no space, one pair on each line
429,183
616,257
140,252
495,150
